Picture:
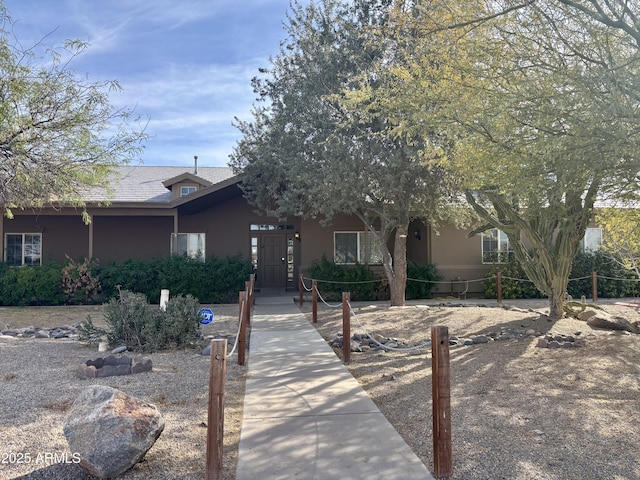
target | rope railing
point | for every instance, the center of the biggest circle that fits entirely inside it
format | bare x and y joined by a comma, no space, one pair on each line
235,343
382,345
344,282
324,301
498,278
347,307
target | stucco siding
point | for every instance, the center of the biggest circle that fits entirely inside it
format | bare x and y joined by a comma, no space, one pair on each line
61,235
122,238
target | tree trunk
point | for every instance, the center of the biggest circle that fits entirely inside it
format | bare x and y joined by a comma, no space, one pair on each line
398,283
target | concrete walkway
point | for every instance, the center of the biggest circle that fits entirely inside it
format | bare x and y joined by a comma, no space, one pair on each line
305,416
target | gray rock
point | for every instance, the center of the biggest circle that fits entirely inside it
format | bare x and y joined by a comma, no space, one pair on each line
587,314
110,430
480,339
609,322
207,351
121,349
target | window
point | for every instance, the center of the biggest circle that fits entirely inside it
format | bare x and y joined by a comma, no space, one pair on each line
189,244
23,249
187,190
495,247
591,240
353,247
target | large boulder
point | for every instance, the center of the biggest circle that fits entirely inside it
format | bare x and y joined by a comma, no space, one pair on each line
110,430
610,322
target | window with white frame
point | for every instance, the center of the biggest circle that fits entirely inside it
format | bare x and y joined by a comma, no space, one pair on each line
187,189
189,244
23,249
356,247
495,246
592,240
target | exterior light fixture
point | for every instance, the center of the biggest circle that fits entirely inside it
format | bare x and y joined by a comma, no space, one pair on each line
297,236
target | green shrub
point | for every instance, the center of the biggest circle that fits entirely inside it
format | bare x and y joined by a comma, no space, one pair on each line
515,283
30,285
177,326
334,279
217,280
133,322
614,281
421,280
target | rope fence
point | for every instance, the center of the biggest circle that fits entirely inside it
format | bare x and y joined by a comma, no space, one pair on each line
347,306
498,278
217,382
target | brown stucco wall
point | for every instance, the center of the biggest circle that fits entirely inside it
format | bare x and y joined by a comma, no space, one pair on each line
457,257
318,240
122,238
61,235
226,226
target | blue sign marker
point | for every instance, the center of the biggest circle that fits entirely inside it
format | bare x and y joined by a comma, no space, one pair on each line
206,314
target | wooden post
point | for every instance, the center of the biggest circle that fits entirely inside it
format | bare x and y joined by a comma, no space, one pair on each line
441,397
252,279
215,425
301,290
594,286
247,313
346,328
242,331
499,287
247,298
314,296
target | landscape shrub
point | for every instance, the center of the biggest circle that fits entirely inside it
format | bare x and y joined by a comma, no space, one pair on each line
80,284
515,283
217,280
134,322
421,280
614,281
31,285
334,279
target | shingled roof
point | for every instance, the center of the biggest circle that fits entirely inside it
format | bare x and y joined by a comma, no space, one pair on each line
144,184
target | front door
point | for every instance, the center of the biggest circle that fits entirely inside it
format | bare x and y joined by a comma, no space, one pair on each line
273,260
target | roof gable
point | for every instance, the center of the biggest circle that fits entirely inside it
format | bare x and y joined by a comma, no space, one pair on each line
146,184
169,183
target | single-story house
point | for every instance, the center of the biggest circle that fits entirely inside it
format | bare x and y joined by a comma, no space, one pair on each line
154,211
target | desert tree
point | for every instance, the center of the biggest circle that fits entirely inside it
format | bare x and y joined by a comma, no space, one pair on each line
59,133
308,152
539,102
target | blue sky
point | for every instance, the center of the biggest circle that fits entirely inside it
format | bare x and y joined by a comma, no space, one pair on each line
185,64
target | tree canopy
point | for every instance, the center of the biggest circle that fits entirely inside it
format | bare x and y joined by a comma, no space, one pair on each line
59,133
310,152
529,108
539,103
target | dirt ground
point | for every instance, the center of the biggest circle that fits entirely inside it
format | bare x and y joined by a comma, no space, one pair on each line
518,411
38,377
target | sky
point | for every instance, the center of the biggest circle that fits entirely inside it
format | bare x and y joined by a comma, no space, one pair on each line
184,65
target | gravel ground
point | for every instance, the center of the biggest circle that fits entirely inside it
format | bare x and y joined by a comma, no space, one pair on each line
518,411
38,383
